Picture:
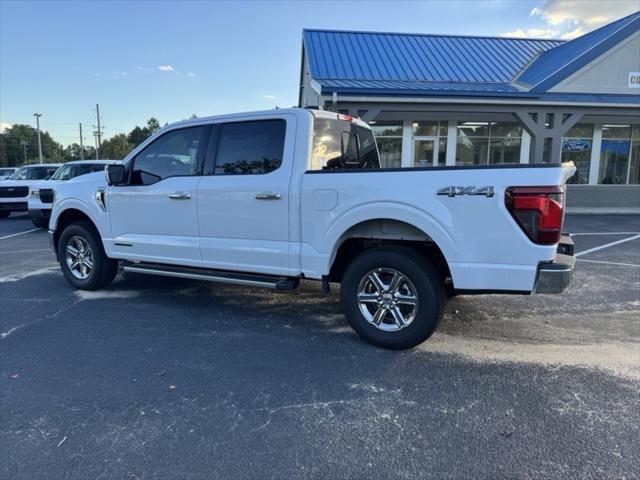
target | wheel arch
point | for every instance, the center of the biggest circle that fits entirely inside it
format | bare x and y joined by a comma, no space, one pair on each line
69,216
377,232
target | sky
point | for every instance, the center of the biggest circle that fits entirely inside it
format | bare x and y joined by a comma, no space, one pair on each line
171,59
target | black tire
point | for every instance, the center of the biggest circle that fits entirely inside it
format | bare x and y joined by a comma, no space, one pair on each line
103,270
423,279
4,214
40,223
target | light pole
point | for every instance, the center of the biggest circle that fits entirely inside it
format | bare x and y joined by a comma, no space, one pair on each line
24,144
38,115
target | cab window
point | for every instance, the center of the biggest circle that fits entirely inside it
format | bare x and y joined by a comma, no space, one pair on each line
250,147
171,155
339,145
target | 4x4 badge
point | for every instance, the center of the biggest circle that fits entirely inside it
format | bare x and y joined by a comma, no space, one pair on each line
453,191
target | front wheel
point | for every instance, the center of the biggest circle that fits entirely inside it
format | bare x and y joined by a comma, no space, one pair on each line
392,297
82,258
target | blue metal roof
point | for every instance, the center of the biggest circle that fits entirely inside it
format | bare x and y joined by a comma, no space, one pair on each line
420,64
558,63
357,56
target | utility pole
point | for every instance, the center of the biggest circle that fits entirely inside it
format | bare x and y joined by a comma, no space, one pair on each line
24,144
81,147
98,131
95,139
38,115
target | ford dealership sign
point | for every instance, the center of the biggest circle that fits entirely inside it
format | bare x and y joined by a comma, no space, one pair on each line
576,145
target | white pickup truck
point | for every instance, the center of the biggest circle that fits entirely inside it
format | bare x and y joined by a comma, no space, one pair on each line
269,198
14,191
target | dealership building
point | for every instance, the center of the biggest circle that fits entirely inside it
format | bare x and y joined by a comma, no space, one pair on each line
444,100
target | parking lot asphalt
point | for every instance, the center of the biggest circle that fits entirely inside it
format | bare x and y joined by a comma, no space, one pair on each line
160,378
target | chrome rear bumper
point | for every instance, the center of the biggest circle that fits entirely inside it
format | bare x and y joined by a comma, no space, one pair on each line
556,276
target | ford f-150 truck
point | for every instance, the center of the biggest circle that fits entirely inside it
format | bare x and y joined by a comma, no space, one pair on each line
268,198
41,193
14,191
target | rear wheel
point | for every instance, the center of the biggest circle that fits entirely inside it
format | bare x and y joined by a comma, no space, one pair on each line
392,297
82,258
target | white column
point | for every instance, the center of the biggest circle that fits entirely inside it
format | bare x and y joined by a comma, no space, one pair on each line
594,167
452,130
525,146
407,144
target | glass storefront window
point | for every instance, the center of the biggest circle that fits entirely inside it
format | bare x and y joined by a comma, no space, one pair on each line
580,130
390,152
616,131
482,143
387,129
614,161
634,169
430,129
389,139
472,151
504,150
576,148
619,162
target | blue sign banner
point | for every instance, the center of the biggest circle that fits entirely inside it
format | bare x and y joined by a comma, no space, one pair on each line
616,146
576,145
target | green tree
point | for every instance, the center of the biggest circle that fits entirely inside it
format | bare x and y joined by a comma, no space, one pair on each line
140,134
116,147
12,151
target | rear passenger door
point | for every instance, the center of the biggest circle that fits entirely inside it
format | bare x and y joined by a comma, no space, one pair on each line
243,198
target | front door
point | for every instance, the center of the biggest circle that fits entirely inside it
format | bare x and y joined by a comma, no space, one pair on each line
155,217
243,198
424,152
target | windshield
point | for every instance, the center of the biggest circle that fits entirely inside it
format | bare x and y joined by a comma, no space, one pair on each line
32,173
6,171
67,172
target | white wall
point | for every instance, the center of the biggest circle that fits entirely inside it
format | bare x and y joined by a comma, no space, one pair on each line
609,73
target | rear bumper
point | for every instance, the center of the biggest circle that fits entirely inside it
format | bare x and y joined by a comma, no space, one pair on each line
556,276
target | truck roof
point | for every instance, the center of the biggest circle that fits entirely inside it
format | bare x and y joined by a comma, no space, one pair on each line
274,111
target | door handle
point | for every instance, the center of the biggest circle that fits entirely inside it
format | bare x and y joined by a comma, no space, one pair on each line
267,196
179,196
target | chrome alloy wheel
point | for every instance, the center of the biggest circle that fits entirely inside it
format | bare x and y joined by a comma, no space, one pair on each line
387,299
79,257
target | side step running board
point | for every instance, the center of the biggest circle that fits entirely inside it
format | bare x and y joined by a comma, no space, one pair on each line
247,279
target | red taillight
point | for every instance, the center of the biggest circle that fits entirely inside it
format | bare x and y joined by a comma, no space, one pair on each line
538,210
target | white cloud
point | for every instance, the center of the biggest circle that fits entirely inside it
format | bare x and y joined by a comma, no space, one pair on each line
119,74
567,19
532,33
270,97
191,74
166,68
4,126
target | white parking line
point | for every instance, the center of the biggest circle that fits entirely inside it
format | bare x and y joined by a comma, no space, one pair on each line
607,245
20,233
604,233
609,263
7,252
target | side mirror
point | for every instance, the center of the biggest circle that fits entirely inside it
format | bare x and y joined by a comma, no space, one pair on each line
116,174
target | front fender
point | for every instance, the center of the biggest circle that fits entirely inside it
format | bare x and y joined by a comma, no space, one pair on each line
99,218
